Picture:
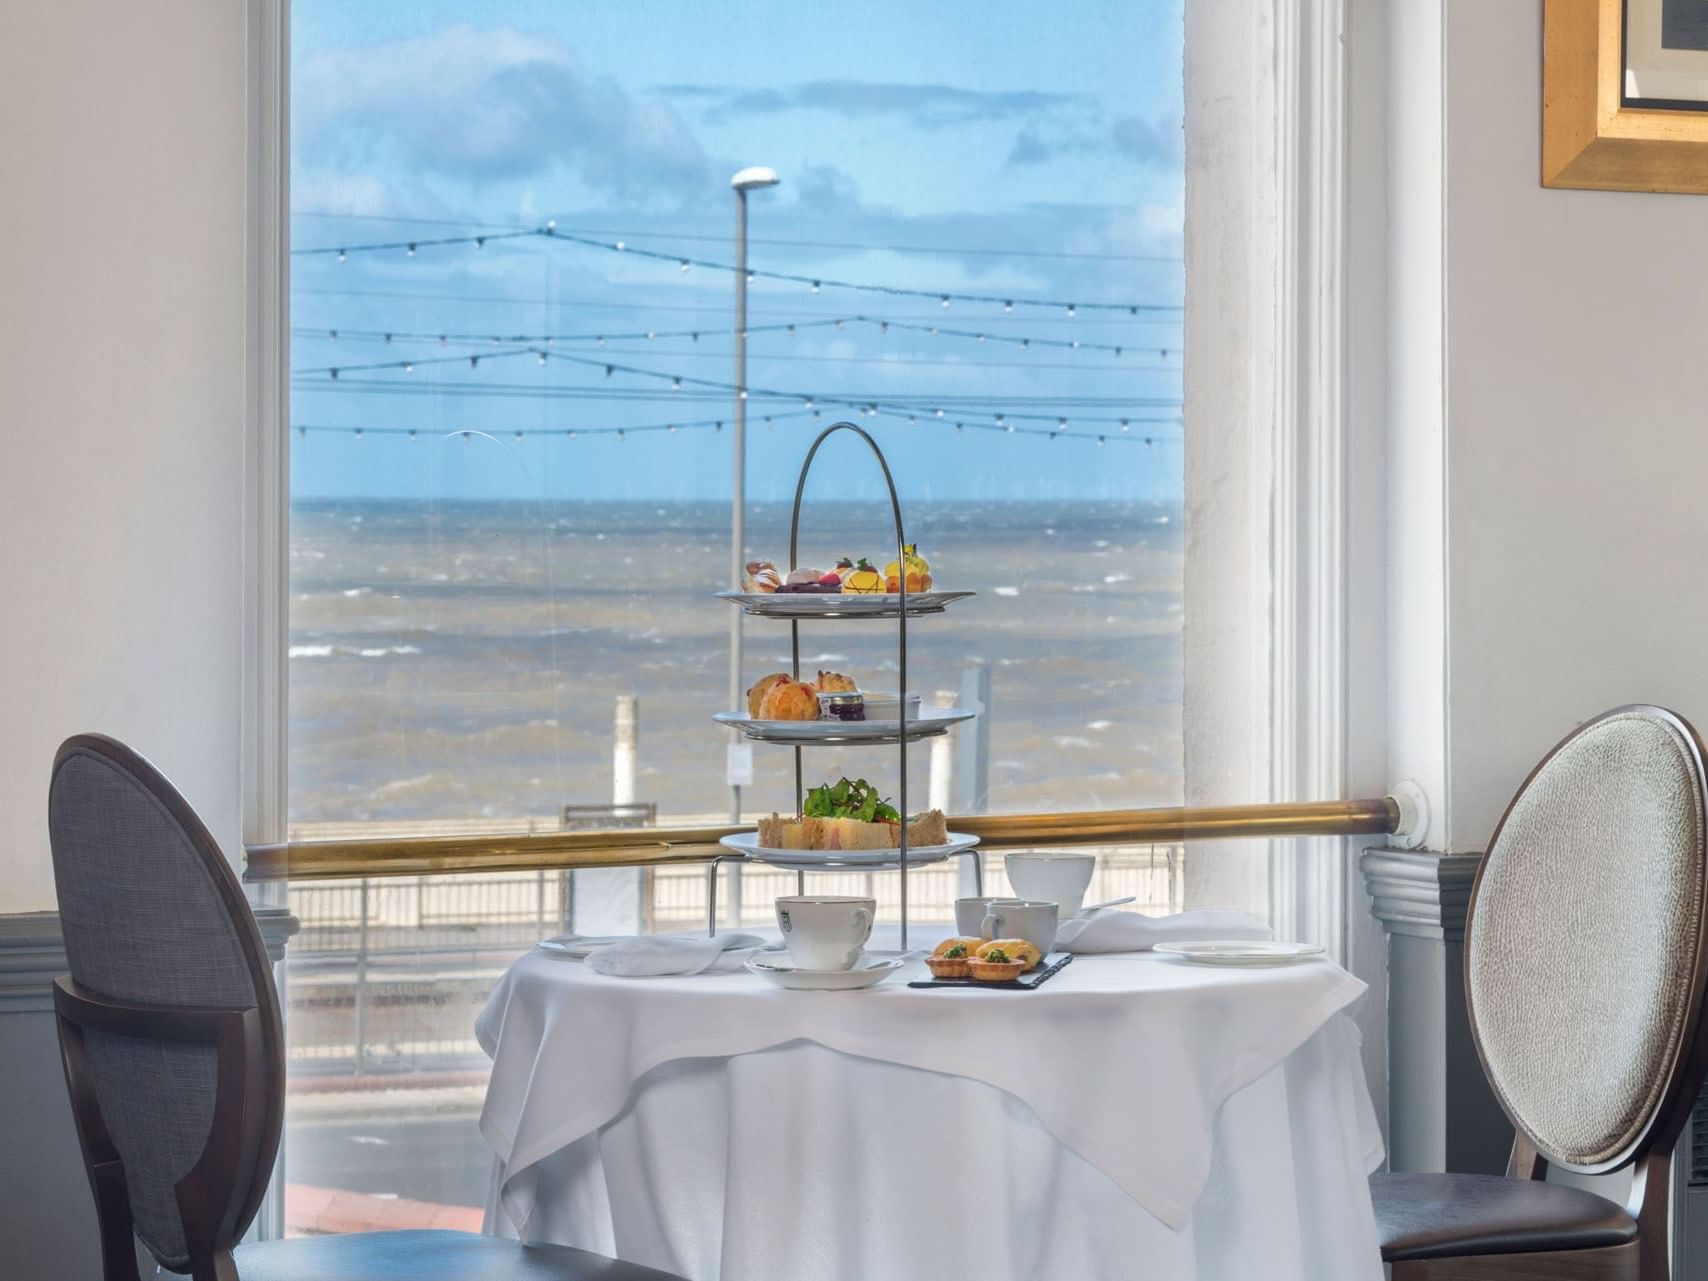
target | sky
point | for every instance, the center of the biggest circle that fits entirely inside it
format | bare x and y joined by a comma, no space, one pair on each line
1027,152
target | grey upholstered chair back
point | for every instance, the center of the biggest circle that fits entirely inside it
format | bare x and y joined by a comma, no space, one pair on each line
1584,948
152,913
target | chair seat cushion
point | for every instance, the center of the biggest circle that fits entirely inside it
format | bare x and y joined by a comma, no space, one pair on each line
429,1256
1434,1216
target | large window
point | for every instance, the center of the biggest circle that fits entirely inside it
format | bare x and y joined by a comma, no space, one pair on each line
514,389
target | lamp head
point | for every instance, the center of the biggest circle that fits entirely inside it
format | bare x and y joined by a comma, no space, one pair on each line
754,176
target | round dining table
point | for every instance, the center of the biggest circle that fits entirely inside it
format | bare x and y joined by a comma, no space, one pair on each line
1136,1116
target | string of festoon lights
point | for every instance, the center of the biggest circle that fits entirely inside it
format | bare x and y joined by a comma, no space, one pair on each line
519,434
883,325
910,407
549,231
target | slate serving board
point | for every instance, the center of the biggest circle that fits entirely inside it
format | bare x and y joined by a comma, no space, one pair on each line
1052,965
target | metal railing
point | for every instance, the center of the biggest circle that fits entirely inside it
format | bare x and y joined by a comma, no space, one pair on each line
537,850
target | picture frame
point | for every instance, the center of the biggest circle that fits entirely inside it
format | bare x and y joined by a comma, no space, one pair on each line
1597,137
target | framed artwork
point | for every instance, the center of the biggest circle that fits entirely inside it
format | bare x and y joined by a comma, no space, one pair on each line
1625,95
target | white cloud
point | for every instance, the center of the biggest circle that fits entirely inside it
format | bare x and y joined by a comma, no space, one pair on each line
489,105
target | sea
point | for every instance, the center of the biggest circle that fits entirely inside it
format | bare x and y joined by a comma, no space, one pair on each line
462,660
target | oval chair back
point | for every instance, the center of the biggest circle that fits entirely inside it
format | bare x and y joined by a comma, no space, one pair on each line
1587,939
168,972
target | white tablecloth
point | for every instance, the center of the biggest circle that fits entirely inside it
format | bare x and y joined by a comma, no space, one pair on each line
1135,1117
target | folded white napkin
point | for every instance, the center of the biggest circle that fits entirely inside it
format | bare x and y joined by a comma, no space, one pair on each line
1109,930
649,955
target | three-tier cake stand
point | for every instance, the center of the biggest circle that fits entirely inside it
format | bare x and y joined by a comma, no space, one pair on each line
796,608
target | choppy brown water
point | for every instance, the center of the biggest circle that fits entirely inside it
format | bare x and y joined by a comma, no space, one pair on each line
461,660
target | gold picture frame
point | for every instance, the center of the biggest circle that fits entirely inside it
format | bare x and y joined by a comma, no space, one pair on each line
1591,138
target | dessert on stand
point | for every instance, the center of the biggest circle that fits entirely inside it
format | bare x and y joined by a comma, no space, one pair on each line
847,823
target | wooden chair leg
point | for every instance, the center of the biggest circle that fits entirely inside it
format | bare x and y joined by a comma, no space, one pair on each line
1611,1263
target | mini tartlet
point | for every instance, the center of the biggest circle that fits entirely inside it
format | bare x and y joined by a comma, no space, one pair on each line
1014,949
994,966
952,962
969,945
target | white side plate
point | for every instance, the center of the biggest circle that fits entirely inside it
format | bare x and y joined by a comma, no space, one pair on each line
917,856
870,970
1239,952
839,604
926,723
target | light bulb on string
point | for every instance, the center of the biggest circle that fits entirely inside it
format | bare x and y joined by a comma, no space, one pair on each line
1147,442
343,256
619,246
442,339
412,433
609,370
411,251
1026,342
937,412
815,286
303,432
551,225
685,264
944,300
465,436
408,368
751,277
695,335
358,433
1124,426
540,356
1008,306
332,334
388,338
1061,423
334,374
883,326
912,421
791,331
1100,440
1118,351
518,437
649,335
480,242
1070,310
675,384
474,362
600,341
742,394
980,337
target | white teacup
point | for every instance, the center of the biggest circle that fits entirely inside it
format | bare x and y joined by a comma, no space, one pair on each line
1062,877
1026,919
825,932
970,913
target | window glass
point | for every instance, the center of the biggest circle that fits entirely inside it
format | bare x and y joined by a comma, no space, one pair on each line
514,398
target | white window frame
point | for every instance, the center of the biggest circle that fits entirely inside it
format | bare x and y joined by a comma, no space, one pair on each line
1285,519
1285,650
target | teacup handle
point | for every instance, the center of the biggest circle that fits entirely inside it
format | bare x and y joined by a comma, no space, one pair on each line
863,918
991,928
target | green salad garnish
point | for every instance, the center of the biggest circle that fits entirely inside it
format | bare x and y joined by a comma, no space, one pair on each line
998,955
956,952
849,799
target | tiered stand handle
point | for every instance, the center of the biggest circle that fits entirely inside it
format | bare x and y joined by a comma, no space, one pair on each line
901,629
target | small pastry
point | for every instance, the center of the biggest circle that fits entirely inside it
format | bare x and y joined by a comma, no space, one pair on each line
953,962
1015,949
995,966
761,576
918,571
835,683
756,695
803,577
968,945
844,567
789,700
864,581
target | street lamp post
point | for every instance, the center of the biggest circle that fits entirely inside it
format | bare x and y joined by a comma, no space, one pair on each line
745,181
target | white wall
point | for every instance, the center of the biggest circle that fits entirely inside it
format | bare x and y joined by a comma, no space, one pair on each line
122,346
1577,437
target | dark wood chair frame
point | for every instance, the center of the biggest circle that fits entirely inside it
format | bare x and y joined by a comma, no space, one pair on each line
1651,1151
236,1155
221,1194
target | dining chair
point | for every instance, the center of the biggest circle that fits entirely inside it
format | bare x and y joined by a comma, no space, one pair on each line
173,1048
1584,980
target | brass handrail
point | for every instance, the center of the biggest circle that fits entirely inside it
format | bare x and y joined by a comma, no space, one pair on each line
660,846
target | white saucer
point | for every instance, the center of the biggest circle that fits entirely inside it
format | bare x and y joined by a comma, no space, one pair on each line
1239,952
870,970
575,947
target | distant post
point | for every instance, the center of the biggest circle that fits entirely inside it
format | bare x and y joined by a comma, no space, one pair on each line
972,778
612,900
